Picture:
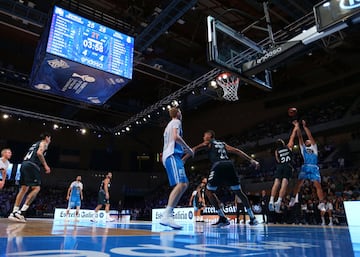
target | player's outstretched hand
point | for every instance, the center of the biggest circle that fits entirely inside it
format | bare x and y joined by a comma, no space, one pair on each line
303,123
256,164
295,123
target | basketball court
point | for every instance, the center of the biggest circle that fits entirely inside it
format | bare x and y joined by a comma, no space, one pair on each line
45,237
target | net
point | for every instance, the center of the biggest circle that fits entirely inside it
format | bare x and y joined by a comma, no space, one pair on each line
229,84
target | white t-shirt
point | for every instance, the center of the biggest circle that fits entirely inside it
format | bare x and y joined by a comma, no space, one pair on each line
329,206
4,164
170,146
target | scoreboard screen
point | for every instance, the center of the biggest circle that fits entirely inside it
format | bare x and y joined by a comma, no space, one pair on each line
330,13
83,41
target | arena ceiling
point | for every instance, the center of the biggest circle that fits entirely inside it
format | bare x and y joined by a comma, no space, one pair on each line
172,59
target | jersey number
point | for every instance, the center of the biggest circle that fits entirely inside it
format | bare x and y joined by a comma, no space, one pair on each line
285,159
28,155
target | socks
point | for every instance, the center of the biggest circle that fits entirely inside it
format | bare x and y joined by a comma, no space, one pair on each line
16,208
169,211
279,200
296,198
24,207
271,199
221,212
250,212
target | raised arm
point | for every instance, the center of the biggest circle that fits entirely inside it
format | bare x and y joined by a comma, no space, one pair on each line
308,133
293,134
242,154
195,149
299,135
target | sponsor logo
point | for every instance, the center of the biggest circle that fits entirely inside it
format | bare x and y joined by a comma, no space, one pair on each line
180,214
56,63
349,4
269,55
83,214
227,210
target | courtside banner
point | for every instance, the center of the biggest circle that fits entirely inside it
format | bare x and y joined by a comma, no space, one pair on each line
84,215
180,214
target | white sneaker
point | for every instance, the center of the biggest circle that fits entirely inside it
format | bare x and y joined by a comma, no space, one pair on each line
321,207
330,224
110,220
292,202
93,220
169,221
322,223
271,206
16,216
277,207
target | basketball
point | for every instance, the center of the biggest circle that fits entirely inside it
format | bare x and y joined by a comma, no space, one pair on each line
292,111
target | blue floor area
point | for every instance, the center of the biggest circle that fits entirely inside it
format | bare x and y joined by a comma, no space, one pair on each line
197,239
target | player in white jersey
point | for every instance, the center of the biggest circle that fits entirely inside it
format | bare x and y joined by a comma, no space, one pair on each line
4,164
75,196
173,151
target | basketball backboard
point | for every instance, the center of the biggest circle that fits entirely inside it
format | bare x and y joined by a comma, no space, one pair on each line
229,50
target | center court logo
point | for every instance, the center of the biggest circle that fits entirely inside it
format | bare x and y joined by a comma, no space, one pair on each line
146,250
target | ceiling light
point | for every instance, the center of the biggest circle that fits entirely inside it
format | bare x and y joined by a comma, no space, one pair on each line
213,84
83,131
5,116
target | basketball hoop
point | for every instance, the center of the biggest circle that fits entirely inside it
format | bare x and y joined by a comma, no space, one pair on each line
229,84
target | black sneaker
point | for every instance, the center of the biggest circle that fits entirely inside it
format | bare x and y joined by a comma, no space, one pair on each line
223,221
253,222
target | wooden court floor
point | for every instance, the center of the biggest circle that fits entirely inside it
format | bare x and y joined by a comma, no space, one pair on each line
44,237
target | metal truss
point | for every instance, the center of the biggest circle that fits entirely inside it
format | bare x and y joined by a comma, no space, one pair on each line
57,120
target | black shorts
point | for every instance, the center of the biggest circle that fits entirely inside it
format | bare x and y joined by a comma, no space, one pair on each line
102,198
30,174
283,171
222,173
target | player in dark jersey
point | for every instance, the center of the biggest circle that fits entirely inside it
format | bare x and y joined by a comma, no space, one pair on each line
30,176
223,173
104,198
197,200
284,168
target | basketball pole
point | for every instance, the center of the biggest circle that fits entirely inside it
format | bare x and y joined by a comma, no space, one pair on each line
268,22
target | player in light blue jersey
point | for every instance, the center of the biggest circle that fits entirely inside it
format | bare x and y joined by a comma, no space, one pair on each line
75,196
173,151
310,169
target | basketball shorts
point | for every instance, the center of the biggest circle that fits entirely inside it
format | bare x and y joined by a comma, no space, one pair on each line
102,198
283,171
310,172
30,174
175,170
223,173
74,202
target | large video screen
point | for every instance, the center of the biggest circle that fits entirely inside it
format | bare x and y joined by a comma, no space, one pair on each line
332,12
81,40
